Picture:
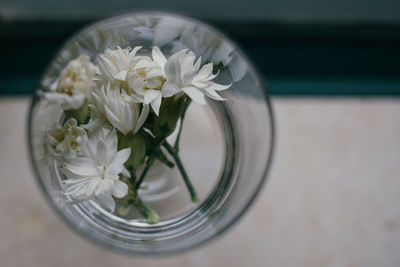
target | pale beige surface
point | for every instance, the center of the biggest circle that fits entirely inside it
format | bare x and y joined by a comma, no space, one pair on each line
332,199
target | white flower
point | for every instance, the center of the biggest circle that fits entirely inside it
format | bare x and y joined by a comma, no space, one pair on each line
66,141
113,106
73,85
141,77
182,73
146,79
96,175
114,65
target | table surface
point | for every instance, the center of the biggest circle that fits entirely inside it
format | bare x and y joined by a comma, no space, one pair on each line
332,198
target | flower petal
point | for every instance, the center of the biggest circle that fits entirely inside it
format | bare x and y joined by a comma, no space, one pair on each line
135,50
121,75
115,121
119,190
154,72
172,68
214,95
188,68
142,118
82,166
101,152
91,186
106,67
135,98
169,89
111,141
150,95
195,94
156,104
78,191
158,56
125,172
65,101
117,162
145,62
106,200
204,73
217,86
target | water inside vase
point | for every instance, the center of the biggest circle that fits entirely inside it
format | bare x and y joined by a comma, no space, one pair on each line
202,151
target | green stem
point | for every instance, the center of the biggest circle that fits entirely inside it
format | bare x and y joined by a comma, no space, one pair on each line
132,179
150,215
163,158
174,154
178,137
133,199
149,162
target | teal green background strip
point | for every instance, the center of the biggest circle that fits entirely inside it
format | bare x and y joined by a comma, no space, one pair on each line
295,59
333,86
279,86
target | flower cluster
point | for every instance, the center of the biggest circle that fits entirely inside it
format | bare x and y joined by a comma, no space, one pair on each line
118,114
74,83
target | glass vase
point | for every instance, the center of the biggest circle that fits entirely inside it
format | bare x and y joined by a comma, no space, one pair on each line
226,146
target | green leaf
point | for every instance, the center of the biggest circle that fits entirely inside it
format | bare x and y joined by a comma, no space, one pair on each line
137,143
81,114
170,112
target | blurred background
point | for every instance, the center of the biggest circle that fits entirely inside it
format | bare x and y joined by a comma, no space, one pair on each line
333,73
